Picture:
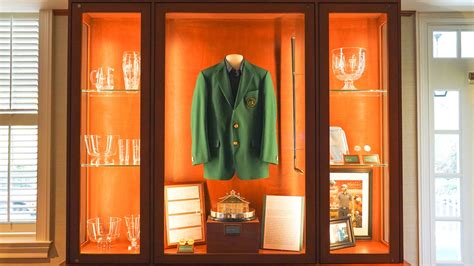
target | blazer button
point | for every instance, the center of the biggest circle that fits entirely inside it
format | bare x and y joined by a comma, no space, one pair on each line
235,143
236,125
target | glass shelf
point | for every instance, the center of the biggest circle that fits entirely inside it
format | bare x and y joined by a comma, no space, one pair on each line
358,165
357,91
108,92
109,165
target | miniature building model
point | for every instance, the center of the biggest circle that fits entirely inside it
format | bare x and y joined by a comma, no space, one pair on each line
232,203
232,207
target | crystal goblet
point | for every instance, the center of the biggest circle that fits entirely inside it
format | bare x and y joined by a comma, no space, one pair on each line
348,64
133,231
131,70
101,148
103,231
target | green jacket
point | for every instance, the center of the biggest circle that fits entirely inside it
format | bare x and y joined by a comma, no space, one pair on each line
234,135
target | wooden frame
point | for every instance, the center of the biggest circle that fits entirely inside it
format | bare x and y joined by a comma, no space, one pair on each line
349,232
366,196
74,105
202,212
394,119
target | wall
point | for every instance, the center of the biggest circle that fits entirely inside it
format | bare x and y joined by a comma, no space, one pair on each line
409,124
58,155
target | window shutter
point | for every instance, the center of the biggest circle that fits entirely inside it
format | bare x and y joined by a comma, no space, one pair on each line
19,53
19,45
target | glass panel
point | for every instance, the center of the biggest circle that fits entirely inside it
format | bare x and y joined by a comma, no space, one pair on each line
444,44
232,103
359,148
110,133
447,197
448,241
446,153
446,110
467,44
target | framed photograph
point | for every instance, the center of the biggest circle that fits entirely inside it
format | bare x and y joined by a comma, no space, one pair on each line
185,215
341,234
371,159
351,159
351,196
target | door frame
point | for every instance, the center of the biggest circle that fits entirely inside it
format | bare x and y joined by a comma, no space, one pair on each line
426,21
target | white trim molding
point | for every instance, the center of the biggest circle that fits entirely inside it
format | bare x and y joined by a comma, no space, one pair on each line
425,21
37,244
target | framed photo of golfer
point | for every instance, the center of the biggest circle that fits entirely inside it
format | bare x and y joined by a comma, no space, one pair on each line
351,196
341,234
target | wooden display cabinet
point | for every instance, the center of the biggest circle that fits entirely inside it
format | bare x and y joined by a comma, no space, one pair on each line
361,119
109,125
178,39
191,37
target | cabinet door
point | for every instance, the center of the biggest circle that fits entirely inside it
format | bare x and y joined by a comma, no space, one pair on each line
192,43
360,180
109,139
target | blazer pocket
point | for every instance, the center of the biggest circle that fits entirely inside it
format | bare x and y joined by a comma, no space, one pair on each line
251,99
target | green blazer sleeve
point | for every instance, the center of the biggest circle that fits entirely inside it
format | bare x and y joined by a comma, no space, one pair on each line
269,146
200,145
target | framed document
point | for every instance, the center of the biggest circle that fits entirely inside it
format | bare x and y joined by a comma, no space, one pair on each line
351,196
283,218
184,214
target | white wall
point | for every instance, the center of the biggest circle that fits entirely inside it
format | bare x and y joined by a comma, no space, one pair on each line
409,124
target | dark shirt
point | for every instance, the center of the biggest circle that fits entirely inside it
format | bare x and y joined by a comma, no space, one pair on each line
234,77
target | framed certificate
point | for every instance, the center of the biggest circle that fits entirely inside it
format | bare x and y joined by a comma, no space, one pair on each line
283,219
184,213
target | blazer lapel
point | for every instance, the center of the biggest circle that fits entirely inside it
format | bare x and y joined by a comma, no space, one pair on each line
224,84
247,76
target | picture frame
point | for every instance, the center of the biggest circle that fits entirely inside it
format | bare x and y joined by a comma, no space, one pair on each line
185,214
351,159
341,233
356,202
371,159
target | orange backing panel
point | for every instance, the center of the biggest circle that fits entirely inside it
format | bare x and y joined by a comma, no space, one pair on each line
112,191
193,44
361,117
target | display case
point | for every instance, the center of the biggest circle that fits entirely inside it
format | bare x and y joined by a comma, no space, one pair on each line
260,133
234,132
360,107
109,118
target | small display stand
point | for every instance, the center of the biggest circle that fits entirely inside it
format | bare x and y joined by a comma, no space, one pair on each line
233,237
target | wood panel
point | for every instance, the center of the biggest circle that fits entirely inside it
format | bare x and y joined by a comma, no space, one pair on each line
372,120
360,114
113,114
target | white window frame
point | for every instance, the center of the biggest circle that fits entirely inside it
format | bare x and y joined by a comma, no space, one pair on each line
37,244
425,22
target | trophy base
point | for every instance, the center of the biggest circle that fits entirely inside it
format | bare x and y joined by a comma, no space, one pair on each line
232,217
233,237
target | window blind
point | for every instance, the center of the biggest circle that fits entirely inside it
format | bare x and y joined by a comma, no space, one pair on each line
19,53
19,43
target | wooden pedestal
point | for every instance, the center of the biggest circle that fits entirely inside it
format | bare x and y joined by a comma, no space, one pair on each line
233,237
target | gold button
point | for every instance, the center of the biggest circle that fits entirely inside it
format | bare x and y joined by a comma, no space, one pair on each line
235,143
236,125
